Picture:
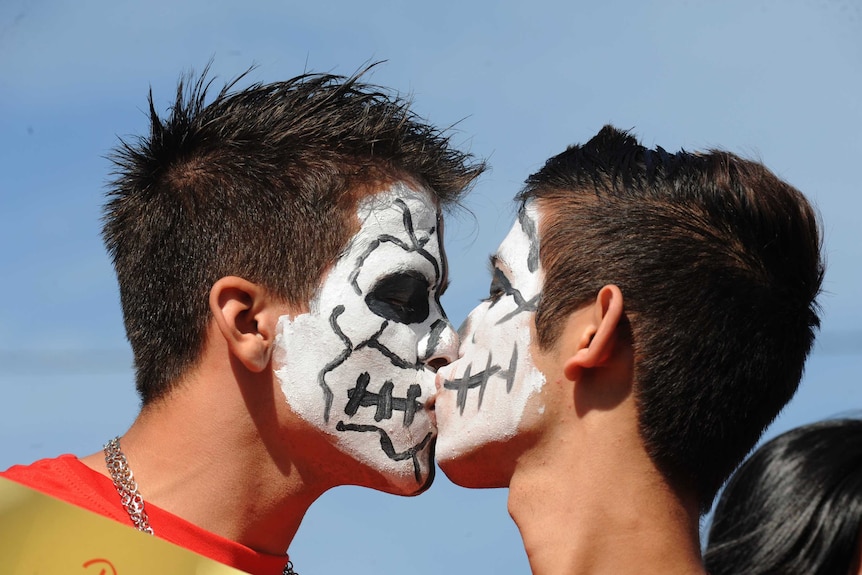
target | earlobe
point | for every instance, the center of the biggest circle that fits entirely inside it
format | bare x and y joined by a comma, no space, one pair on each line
599,335
246,318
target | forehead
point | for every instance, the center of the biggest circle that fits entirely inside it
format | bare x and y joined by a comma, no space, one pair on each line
519,251
399,230
397,211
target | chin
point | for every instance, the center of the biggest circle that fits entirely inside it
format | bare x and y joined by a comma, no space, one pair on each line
404,481
428,480
479,468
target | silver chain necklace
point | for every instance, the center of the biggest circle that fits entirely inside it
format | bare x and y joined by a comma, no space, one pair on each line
127,487
131,498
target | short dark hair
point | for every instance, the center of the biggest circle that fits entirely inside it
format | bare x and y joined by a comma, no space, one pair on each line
260,183
719,264
794,506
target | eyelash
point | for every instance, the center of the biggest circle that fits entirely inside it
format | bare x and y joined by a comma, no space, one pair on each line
492,298
496,291
401,297
401,303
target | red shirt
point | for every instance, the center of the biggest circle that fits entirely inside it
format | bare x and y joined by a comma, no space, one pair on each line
67,478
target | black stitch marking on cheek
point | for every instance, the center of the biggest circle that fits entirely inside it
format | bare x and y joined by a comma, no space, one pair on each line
510,374
529,227
461,401
388,448
348,349
437,329
411,405
357,394
468,381
383,401
471,381
484,382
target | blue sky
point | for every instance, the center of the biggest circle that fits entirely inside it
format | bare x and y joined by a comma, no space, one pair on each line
777,80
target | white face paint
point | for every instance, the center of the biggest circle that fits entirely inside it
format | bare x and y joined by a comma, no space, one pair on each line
485,393
355,365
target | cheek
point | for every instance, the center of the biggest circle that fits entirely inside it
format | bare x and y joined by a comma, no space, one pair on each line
472,332
358,322
362,327
487,331
403,341
509,344
294,370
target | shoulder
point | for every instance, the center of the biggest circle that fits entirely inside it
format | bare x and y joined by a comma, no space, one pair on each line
43,475
65,477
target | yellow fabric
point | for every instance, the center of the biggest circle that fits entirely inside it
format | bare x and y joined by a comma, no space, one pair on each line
40,535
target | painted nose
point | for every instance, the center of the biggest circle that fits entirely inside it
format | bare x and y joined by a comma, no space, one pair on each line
440,346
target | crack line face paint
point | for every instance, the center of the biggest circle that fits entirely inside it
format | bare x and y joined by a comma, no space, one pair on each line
354,365
484,394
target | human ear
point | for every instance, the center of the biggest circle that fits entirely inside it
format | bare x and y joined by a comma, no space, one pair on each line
599,332
246,317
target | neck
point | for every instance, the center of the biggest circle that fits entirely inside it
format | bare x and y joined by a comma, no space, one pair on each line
200,455
601,511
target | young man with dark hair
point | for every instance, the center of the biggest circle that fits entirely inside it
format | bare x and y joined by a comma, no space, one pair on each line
649,315
280,261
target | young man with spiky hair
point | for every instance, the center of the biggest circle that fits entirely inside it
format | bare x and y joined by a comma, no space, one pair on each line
280,261
649,315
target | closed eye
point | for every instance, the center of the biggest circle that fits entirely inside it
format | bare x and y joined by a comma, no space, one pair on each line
498,287
400,297
499,282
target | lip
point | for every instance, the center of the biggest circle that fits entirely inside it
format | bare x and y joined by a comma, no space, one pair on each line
431,410
438,383
432,413
431,403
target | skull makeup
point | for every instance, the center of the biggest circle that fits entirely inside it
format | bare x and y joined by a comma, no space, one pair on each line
485,393
356,366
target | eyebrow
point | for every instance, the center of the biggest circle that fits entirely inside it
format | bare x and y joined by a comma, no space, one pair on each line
493,262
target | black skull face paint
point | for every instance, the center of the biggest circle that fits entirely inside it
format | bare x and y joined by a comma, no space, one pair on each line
485,393
401,297
355,364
